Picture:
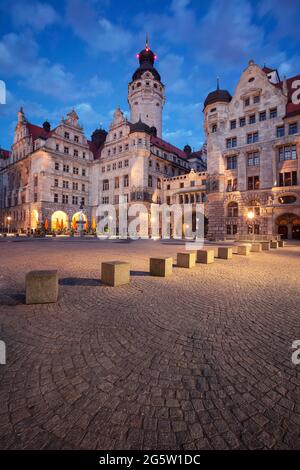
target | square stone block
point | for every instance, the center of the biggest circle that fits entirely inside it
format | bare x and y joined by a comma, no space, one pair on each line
115,273
205,256
243,250
281,243
265,246
225,252
161,266
256,247
186,259
41,287
274,244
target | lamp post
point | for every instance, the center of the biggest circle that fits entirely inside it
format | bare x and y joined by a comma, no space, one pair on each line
250,217
8,218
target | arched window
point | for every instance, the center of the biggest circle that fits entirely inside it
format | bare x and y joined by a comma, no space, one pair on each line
233,209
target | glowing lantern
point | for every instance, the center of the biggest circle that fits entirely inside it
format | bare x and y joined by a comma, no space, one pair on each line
46,224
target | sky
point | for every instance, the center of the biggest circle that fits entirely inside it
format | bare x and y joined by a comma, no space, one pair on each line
81,54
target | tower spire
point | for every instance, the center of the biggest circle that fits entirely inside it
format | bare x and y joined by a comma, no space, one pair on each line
147,40
218,82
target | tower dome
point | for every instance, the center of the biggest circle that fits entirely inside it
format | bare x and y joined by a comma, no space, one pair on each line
146,59
217,95
146,92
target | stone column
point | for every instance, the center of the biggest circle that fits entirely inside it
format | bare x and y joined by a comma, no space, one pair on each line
242,172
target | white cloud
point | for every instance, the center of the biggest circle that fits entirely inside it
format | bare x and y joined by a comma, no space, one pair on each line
36,15
96,30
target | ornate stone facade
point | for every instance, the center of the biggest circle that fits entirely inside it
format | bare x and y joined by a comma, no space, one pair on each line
253,150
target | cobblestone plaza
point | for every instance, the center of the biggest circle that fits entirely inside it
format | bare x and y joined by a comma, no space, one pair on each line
199,360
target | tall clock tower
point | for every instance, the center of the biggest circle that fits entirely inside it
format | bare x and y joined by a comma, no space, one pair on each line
146,96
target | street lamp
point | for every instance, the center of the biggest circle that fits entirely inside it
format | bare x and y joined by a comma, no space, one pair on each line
250,216
8,218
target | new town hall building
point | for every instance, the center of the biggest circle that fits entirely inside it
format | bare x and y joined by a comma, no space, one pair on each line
252,153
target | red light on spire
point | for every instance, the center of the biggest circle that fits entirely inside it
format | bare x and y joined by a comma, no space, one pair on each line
138,56
155,57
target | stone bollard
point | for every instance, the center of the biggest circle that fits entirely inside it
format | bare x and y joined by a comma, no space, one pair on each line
225,252
161,266
243,250
41,287
186,259
205,256
115,273
256,247
265,246
281,243
274,244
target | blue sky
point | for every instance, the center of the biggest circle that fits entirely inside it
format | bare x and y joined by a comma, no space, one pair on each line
58,55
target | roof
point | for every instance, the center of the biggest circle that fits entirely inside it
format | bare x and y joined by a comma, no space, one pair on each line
38,132
141,126
4,153
267,69
162,144
217,95
146,58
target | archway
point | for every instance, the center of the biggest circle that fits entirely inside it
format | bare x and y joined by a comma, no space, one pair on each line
59,221
34,219
288,226
76,217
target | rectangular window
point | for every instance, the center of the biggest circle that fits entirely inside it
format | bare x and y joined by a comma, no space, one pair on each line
126,181
75,170
83,154
65,199
66,168
65,184
231,142
252,138
280,131
150,181
83,172
105,185
66,150
57,147
262,116
119,164
114,167
247,102
232,162
253,159
117,183
253,182
126,162
242,122
105,200
83,187
56,166
75,186
67,135
56,183
75,153
288,178
256,99
233,124
55,198
116,199
252,119
273,113
103,169
214,128
82,201
75,200
35,197
76,138
293,128
287,152
107,167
